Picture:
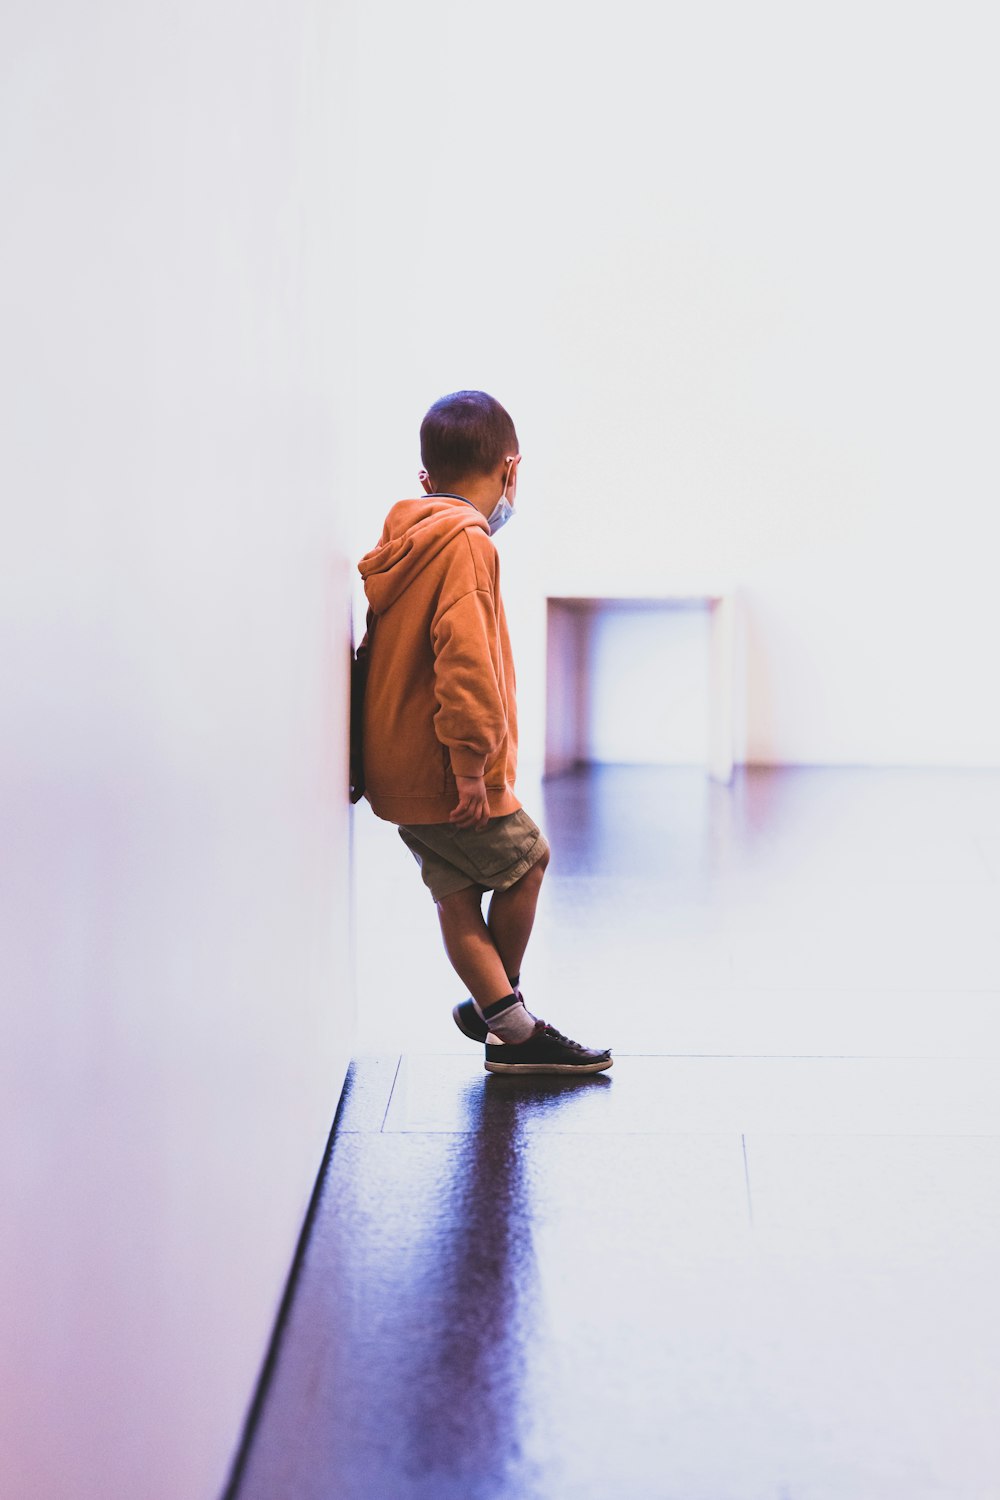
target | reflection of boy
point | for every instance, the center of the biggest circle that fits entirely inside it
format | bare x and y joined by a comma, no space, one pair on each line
440,725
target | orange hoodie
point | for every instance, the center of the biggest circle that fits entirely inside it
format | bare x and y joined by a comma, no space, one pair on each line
440,695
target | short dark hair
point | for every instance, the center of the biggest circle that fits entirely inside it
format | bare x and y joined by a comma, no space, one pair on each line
465,433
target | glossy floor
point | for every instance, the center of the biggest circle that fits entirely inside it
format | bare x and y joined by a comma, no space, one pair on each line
755,1261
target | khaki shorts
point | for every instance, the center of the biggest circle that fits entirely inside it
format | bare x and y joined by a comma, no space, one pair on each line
451,859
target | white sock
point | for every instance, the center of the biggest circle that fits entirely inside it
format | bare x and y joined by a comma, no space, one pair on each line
508,1020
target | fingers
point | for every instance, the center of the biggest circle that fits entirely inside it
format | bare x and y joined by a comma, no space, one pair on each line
473,818
471,811
461,813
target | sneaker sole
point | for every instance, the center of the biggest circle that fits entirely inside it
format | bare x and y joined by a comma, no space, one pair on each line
597,1067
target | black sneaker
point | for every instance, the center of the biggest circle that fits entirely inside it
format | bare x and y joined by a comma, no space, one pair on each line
470,1022
548,1051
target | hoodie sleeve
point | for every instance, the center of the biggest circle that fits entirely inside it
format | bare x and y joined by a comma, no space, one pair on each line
470,718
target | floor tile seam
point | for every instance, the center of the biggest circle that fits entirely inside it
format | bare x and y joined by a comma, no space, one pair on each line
814,1056
720,1133
429,1131
392,1091
583,1135
871,1135
746,1176
887,1135
883,1057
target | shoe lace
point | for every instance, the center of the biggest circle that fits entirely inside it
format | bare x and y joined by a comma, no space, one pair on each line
557,1036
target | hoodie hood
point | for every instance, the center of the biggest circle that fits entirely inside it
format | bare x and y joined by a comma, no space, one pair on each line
415,531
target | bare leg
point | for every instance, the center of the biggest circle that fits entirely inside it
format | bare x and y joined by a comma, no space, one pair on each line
470,947
512,916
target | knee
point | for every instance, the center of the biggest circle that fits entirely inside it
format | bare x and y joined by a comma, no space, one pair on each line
461,905
536,874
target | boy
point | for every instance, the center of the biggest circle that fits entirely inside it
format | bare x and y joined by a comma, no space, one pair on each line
440,725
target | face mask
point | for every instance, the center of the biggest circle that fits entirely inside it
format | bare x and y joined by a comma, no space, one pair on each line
502,511
499,515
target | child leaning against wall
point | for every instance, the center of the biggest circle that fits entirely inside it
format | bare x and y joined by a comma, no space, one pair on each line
440,726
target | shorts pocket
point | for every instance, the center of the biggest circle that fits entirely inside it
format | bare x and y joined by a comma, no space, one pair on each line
503,844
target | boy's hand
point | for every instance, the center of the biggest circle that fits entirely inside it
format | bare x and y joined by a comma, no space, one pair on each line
472,809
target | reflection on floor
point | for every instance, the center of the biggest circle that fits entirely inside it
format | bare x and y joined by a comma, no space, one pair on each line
755,1261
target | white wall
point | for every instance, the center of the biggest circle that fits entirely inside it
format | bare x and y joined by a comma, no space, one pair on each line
732,269
176,980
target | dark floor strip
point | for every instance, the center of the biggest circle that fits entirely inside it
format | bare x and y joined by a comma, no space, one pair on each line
266,1376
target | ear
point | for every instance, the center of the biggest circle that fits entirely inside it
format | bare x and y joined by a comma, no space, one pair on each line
512,480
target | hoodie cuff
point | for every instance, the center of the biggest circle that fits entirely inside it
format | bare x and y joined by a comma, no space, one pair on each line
466,762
